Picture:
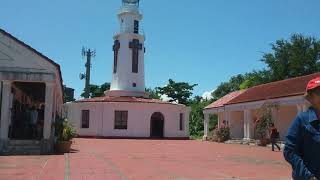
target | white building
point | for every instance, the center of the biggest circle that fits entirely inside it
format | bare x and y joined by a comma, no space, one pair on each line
240,109
27,78
125,110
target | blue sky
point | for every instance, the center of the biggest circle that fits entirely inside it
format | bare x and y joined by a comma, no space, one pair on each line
203,42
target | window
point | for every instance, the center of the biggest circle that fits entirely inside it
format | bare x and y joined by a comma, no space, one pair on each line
181,123
136,27
85,118
121,120
134,85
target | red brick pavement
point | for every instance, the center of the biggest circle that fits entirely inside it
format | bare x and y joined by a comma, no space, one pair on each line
96,159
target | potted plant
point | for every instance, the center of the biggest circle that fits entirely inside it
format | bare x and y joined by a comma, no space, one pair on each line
65,132
264,121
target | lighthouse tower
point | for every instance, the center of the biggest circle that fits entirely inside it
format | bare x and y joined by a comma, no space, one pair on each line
128,48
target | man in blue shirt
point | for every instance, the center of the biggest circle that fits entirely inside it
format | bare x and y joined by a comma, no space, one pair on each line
302,148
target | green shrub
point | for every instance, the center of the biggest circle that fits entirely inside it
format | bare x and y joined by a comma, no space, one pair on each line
65,131
221,134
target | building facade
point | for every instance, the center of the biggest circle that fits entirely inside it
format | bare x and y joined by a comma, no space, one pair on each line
239,110
28,79
126,111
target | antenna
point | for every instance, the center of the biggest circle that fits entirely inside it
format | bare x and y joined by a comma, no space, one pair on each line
88,54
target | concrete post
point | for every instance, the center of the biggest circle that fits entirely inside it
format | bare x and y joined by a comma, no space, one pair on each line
248,125
5,109
206,126
48,110
186,122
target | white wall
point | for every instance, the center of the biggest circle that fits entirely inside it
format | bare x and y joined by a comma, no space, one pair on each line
139,115
22,57
124,77
284,118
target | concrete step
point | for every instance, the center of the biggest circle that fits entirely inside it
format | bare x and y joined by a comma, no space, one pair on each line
22,147
242,141
9,151
23,142
13,148
21,152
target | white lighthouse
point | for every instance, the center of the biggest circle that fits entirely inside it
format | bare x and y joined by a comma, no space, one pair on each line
126,110
128,48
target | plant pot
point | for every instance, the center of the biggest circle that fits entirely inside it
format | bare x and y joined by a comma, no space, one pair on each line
63,146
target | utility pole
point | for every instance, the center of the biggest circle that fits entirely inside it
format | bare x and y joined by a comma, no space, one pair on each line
88,54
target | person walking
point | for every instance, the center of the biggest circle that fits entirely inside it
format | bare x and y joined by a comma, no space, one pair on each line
302,144
274,134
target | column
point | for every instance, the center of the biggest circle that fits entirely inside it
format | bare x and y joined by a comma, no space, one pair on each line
5,109
245,124
206,126
48,110
54,109
186,122
248,125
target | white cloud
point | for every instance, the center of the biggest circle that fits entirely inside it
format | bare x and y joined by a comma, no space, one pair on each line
166,98
207,95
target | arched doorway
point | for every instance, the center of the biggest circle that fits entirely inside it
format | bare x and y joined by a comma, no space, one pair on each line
157,125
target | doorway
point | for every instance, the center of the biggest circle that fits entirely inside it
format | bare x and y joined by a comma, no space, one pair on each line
27,110
157,125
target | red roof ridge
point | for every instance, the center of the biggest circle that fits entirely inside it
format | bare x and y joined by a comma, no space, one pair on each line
128,99
278,89
225,99
284,80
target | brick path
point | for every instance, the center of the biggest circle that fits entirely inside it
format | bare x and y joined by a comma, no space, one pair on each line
96,159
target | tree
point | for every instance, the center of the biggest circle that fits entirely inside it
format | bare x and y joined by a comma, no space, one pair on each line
177,91
197,117
228,87
297,57
255,78
153,93
97,91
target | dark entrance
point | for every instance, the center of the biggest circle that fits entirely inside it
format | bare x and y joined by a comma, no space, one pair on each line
27,112
157,125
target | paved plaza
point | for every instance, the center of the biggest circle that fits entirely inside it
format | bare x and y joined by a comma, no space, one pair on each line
111,159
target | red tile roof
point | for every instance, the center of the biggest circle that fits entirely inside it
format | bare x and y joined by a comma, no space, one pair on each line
225,99
124,99
279,89
36,52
